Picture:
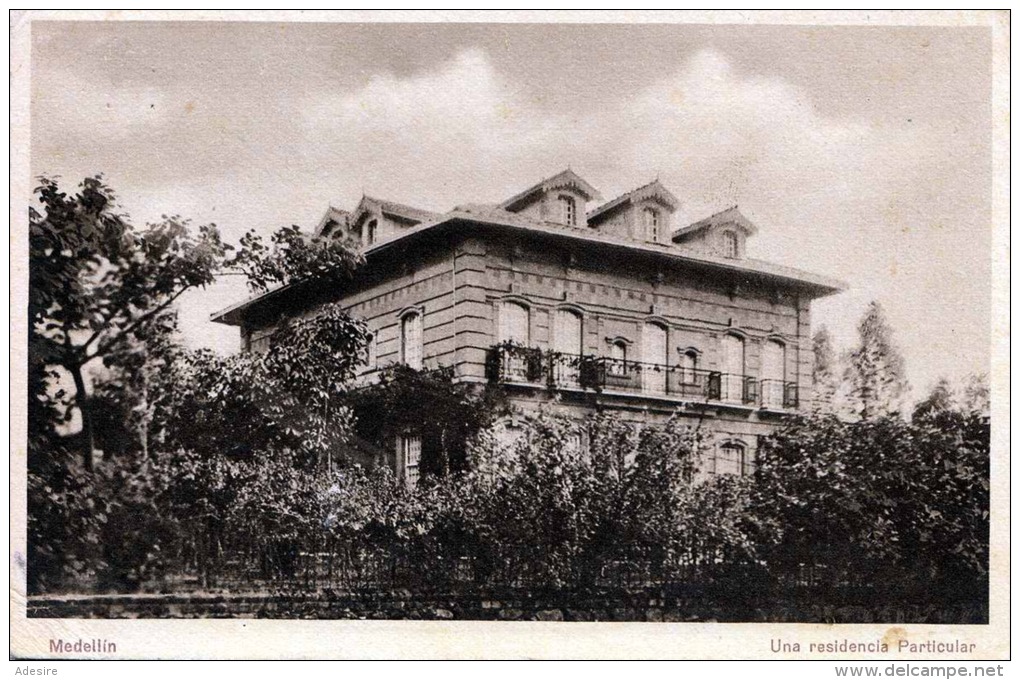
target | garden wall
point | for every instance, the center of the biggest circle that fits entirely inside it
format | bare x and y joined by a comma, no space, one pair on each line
641,605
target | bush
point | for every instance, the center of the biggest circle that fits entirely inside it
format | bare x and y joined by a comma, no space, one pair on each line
878,501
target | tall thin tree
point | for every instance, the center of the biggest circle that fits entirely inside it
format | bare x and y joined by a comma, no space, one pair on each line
875,370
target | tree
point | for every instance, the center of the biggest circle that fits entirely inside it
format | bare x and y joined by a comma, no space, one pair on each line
97,284
288,401
875,371
824,370
939,400
294,257
101,289
977,394
455,413
879,501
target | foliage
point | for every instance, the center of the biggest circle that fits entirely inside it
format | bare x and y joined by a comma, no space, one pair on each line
977,395
289,398
96,285
880,499
875,372
429,403
824,371
101,288
295,257
940,398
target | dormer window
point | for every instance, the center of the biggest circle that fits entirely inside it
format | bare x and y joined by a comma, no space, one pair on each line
731,244
651,216
568,210
370,232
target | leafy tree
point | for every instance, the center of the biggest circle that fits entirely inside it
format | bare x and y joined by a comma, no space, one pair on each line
878,501
977,395
101,289
287,399
939,400
824,370
446,414
293,257
97,284
875,371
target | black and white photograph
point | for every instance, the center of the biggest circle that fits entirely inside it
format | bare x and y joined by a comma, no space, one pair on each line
598,318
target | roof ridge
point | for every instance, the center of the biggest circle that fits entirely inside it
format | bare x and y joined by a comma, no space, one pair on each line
609,205
396,204
587,188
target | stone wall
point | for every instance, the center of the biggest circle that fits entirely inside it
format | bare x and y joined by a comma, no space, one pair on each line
636,605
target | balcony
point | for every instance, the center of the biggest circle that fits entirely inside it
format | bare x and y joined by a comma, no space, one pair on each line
510,364
778,395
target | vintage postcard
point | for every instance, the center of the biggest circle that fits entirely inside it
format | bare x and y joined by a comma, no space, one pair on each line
499,335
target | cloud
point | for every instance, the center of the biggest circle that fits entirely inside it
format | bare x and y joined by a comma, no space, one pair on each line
849,197
892,205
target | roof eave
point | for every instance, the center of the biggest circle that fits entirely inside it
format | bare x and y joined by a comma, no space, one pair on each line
822,286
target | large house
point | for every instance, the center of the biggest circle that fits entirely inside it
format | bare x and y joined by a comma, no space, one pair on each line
579,304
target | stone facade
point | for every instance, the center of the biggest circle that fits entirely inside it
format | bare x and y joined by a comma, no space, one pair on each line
576,310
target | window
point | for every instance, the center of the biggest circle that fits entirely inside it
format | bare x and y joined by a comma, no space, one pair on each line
260,340
618,355
773,374
513,323
568,210
370,353
618,351
370,233
729,459
689,366
653,358
410,446
733,368
731,244
651,216
411,340
568,340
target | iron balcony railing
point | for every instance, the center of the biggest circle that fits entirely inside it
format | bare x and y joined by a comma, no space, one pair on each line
778,394
528,365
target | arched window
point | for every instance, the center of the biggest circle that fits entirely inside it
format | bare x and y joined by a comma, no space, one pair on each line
773,374
568,210
653,358
618,357
730,459
370,353
411,340
370,232
731,244
567,336
651,217
689,367
513,323
568,340
733,367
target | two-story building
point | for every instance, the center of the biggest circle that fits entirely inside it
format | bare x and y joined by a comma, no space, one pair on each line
579,308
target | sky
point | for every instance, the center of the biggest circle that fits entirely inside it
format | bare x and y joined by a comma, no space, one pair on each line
861,153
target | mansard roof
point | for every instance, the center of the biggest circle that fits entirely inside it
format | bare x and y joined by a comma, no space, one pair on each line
398,210
566,179
821,285
730,216
498,217
653,190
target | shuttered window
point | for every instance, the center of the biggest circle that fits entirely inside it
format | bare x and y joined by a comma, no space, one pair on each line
411,340
411,450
